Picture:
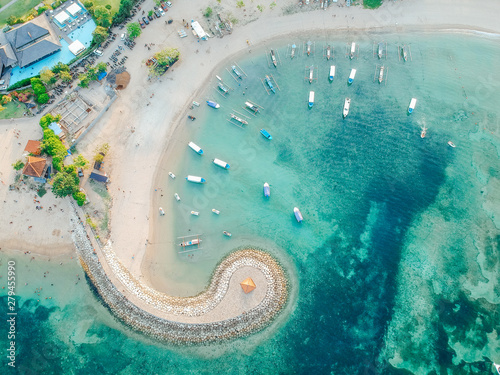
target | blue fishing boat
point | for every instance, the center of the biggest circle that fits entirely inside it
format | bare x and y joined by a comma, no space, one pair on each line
196,179
265,134
221,163
236,71
267,190
223,88
270,84
351,76
213,104
411,107
311,99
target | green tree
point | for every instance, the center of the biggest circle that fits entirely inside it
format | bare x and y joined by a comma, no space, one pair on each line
79,197
108,7
167,56
150,13
47,76
99,35
103,16
60,67
134,30
18,165
240,4
48,119
43,98
65,183
92,73
65,76
84,80
208,12
101,67
81,162
88,4
104,148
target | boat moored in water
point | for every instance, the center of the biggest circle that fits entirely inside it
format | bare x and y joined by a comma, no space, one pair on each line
424,132
177,198
311,73
381,74
404,52
236,71
221,163
411,107
328,52
351,76
227,234
311,99
252,107
194,241
162,212
213,104
222,88
196,104
171,175
347,105
217,212
292,54
239,119
266,134
195,213
353,50
297,214
451,144
273,59
195,148
196,179
380,50
332,73
267,190
270,84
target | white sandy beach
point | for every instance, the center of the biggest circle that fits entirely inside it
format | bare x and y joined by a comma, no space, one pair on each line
137,159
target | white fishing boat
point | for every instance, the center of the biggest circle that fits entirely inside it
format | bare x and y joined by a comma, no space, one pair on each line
353,50
497,367
381,74
404,52
177,198
222,88
351,76
236,71
196,179
239,119
221,163
171,175
424,132
195,213
347,105
194,241
267,190
411,107
297,214
196,104
309,43
227,234
162,212
311,73
380,50
328,52
292,54
273,59
217,212
332,73
195,148
311,99
252,107
451,144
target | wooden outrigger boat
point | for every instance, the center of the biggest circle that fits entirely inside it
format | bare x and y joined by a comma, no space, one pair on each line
236,71
239,119
292,54
311,73
273,59
192,242
252,107
353,50
328,52
270,84
404,52
380,52
309,43
381,74
223,88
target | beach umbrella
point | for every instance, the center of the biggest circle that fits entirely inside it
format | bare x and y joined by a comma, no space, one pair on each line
247,285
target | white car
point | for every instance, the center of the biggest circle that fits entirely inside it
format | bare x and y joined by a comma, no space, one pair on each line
161,11
169,4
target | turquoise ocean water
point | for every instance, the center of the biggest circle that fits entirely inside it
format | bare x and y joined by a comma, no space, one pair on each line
395,269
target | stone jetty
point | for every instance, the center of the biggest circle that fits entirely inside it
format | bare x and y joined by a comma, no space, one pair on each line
205,318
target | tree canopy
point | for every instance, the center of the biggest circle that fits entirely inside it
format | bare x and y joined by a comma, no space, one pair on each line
99,35
103,16
47,76
65,183
134,30
81,162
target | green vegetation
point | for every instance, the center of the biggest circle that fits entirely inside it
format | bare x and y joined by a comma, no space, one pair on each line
272,5
208,12
134,30
41,192
39,90
51,144
18,165
65,76
66,182
115,5
81,162
47,76
240,4
99,35
165,58
60,67
372,4
21,83
79,197
261,8
17,10
150,13
12,110
124,11
102,16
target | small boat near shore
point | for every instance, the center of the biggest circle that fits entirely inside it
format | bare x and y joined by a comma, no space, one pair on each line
351,76
194,241
213,104
273,59
196,104
380,52
227,234
196,179
451,144
381,74
239,119
221,163
267,190
347,105
353,50
177,198
292,54
192,118
311,74
172,176
332,73
252,107
222,88
195,213
311,99
411,107
328,52
270,84
195,148
424,132
236,71
217,212
266,134
297,214
162,212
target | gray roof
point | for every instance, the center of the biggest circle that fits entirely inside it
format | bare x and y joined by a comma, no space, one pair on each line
36,52
7,55
25,34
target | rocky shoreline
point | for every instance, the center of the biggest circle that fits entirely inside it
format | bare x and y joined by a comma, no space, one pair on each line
250,321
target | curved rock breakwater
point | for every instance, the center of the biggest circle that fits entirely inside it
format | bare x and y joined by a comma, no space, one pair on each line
215,330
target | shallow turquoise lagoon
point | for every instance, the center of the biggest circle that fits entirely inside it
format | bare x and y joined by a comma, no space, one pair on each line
395,268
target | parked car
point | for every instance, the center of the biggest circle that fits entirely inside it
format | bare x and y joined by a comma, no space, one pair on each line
141,23
161,12
169,4
150,17
158,14
145,20
80,172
